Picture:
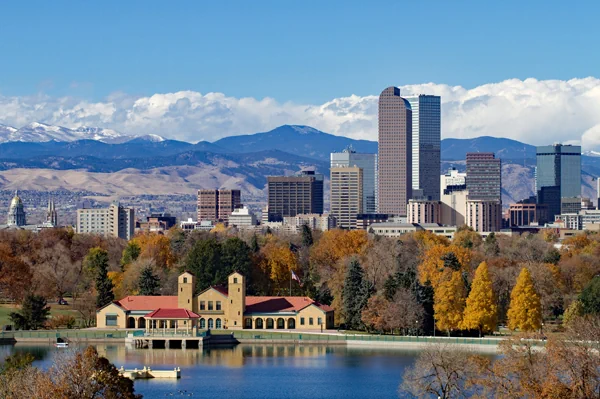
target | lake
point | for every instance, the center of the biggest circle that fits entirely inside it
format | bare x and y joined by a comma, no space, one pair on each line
257,371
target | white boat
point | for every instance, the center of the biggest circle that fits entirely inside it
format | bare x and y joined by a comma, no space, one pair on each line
62,344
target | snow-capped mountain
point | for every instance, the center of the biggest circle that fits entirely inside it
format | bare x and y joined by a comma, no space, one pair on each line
152,138
41,132
591,153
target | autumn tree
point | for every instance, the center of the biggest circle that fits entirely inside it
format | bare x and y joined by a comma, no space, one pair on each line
15,277
573,312
590,297
490,245
372,315
525,311
404,312
467,238
33,313
439,262
449,303
149,282
156,247
278,263
481,312
355,294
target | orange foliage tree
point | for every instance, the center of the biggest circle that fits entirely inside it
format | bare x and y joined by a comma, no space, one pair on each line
440,261
156,247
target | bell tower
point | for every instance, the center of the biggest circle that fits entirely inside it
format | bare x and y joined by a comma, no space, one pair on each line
186,283
236,288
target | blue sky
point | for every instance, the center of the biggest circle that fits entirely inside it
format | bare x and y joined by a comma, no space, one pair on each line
303,51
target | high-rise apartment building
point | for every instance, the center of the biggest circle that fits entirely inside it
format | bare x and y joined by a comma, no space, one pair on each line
424,211
116,221
395,153
484,216
346,195
368,164
217,205
558,176
293,195
484,176
426,143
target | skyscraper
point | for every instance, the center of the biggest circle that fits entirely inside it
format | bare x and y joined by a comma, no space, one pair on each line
426,142
294,195
116,221
346,195
558,175
217,205
484,176
368,164
395,152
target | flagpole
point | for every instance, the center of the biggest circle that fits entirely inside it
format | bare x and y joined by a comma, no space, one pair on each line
291,284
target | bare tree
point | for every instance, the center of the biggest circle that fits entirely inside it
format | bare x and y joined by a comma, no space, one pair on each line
404,312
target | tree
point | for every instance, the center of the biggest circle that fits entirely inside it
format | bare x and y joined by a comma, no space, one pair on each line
355,294
86,307
97,260
404,312
156,247
490,245
149,283
372,314
449,303
441,371
278,263
525,311
590,297
467,238
254,247
481,312
440,261
203,261
33,313
574,311
130,253
307,238
236,256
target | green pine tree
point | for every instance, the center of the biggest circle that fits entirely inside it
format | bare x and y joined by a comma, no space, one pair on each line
149,283
236,256
355,294
590,297
33,313
97,260
204,262
490,245
307,237
254,247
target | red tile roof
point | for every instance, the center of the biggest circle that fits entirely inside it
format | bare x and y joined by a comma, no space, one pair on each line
221,289
138,302
270,304
177,313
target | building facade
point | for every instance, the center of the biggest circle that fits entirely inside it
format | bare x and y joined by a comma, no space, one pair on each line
453,187
426,144
394,229
395,153
527,214
216,308
293,195
424,212
484,176
242,218
346,198
484,216
558,175
315,221
115,221
217,205
368,164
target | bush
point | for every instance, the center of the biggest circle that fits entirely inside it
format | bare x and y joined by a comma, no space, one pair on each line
61,321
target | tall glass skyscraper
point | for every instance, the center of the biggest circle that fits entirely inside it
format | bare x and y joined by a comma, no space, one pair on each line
558,175
426,139
368,164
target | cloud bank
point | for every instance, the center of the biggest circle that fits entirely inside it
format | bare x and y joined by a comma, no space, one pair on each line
533,111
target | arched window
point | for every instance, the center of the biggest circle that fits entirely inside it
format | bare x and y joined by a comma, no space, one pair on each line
280,323
218,323
202,324
259,323
269,323
210,324
248,323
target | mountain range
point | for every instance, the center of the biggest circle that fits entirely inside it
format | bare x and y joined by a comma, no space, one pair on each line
244,161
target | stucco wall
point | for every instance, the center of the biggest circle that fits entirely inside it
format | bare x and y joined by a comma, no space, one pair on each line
111,309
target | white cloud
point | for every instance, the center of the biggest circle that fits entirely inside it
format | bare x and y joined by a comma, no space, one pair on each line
533,111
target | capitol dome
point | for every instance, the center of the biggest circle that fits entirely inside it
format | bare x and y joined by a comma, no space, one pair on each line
16,211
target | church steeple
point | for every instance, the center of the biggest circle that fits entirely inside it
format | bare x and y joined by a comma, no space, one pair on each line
51,214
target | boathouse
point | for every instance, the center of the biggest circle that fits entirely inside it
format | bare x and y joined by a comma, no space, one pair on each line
214,308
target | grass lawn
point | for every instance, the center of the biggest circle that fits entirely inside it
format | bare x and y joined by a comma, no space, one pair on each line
55,310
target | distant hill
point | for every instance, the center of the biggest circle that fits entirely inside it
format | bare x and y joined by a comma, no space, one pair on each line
456,149
302,140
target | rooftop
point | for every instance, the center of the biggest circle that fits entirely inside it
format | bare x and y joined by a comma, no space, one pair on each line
176,313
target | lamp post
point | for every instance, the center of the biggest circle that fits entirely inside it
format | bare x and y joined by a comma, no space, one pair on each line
417,327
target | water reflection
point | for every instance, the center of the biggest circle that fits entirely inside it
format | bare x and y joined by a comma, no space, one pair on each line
257,371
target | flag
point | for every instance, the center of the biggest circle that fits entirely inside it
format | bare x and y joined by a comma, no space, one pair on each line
295,277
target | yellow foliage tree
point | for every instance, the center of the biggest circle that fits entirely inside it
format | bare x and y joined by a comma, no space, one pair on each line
117,280
449,303
337,244
525,311
427,239
481,311
278,263
433,267
156,247
219,228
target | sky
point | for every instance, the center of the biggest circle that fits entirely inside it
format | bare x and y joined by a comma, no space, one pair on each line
203,70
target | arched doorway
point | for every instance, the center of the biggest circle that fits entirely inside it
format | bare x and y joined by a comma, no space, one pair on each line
259,323
291,323
141,322
218,324
270,323
248,323
202,324
280,323
130,322
211,324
